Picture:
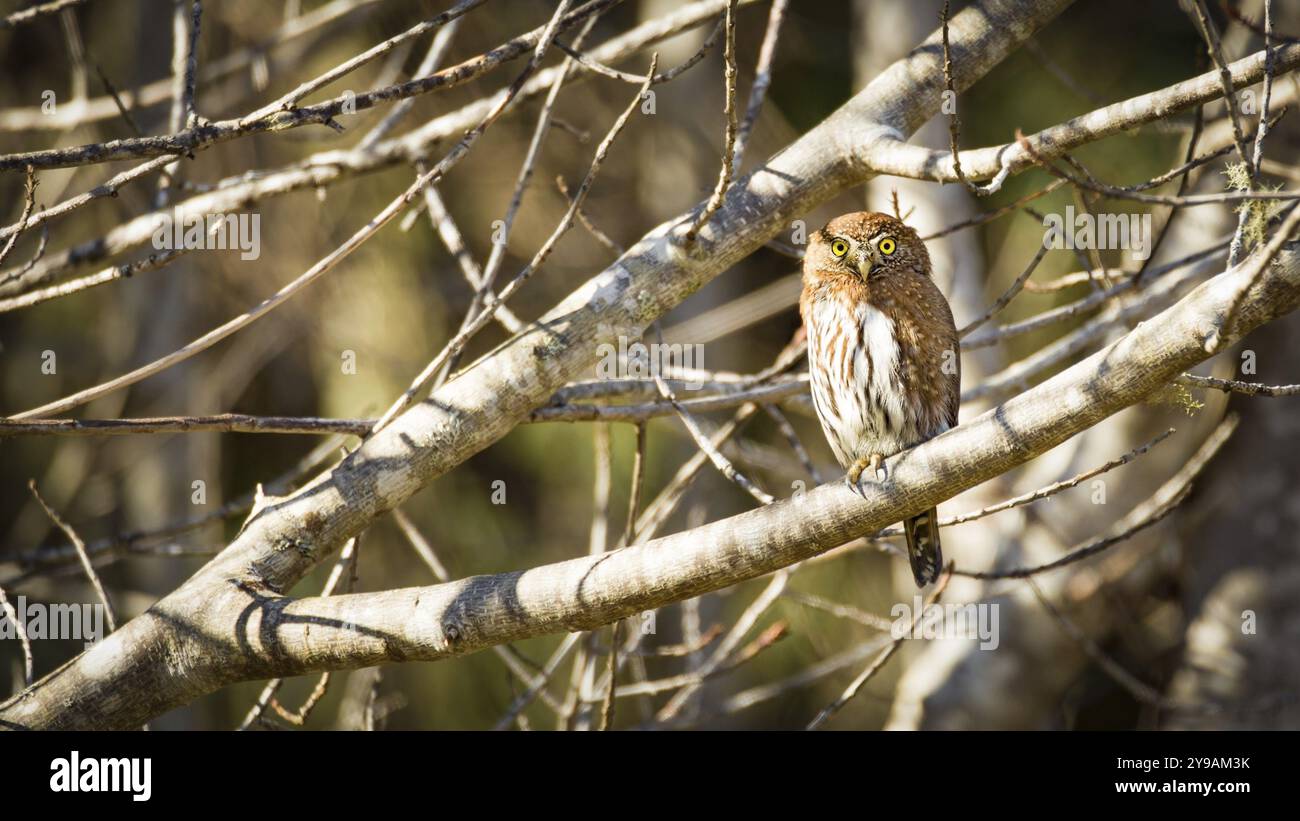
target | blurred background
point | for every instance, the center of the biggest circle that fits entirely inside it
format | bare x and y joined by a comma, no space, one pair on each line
1165,607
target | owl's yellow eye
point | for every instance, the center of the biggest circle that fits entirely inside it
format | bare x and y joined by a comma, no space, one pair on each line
839,247
887,246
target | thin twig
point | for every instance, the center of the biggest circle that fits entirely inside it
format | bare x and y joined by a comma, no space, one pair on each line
539,683
695,679
1079,306
1079,553
1210,32
191,65
1184,182
1235,386
776,391
108,188
253,56
501,241
1245,211
111,90
843,611
321,426
1138,689
73,286
874,667
221,423
1041,493
728,168
185,43
796,445
594,65
996,213
762,77
722,657
29,14
954,119
1056,487
20,627
1071,280
638,483
493,302
722,463
665,503
455,242
432,59
289,101
1118,192
593,229
204,134
142,542
29,201
1006,297
109,615
611,671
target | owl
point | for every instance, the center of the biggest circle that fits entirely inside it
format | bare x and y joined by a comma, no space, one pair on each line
882,354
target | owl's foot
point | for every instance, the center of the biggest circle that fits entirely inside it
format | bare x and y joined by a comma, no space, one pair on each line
875,461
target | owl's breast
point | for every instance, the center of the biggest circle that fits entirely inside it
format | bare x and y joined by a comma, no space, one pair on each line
856,368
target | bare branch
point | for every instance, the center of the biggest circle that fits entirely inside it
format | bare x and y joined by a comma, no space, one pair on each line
1210,32
762,77
29,200
856,685
1235,386
20,627
728,168
109,614
27,15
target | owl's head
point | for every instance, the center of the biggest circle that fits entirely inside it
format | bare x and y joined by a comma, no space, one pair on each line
867,245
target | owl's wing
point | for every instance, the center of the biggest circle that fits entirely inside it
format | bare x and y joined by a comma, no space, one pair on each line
953,392
952,382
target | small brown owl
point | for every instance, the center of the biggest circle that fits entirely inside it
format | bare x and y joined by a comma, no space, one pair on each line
882,353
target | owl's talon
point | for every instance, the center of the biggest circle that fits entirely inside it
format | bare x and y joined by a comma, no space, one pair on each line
855,471
851,480
876,462
878,467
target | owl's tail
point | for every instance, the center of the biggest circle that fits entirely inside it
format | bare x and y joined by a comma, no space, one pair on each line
923,549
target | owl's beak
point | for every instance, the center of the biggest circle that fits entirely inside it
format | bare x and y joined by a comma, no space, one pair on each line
866,262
